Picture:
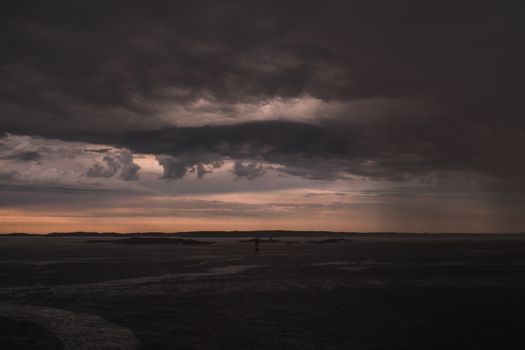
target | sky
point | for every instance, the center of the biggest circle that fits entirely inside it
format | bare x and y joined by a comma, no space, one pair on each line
348,115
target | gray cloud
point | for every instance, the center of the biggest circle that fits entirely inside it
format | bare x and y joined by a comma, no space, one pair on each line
248,171
25,156
43,197
9,175
177,167
173,168
108,170
202,169
129,170
123,162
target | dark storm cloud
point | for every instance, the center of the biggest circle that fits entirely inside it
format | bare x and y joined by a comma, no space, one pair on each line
98,150
103,72
394,152
26,156
173,168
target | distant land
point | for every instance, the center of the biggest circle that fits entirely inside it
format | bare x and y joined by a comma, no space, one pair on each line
150,240
257,233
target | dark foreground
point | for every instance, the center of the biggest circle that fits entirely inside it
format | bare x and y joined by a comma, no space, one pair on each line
370,293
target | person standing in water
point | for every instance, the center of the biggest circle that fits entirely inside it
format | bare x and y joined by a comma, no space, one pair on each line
257,244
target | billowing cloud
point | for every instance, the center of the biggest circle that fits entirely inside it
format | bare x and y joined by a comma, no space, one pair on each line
173,168
248,170
129,168
177,167
108,170
122,161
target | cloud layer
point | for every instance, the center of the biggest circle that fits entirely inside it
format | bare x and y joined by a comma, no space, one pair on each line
340,91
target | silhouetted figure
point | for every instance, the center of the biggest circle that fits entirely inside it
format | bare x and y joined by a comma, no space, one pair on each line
257,244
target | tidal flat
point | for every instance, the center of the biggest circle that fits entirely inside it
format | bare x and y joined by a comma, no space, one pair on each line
399,292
